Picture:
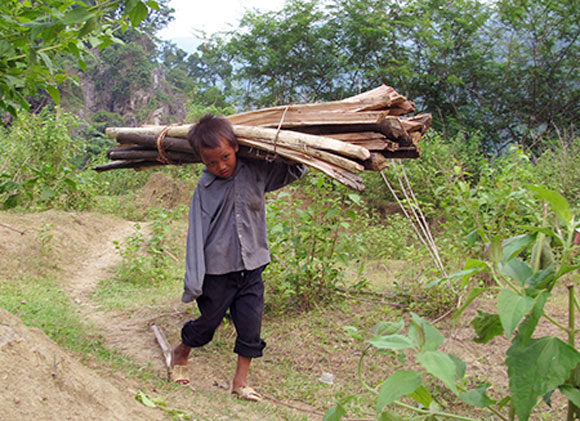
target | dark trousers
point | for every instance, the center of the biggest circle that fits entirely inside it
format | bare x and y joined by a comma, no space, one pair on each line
241,292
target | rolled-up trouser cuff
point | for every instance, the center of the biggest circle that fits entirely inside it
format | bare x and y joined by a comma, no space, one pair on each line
249,351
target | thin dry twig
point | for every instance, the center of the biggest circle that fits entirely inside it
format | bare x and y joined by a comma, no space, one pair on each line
12,228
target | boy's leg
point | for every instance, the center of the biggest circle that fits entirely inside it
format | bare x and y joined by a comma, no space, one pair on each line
180,354
246,310
242,369
218,293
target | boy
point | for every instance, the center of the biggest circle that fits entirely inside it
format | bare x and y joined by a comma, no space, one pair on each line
227,247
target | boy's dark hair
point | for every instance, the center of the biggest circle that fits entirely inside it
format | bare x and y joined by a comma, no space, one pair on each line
209,132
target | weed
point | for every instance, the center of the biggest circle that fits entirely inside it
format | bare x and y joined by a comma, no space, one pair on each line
46,239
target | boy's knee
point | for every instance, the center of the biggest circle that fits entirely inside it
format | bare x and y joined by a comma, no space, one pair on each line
195,336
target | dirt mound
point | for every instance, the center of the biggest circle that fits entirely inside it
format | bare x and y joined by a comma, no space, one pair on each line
165,192
53,242
39,380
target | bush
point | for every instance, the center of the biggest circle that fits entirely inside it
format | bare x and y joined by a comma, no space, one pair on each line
311,240
38,171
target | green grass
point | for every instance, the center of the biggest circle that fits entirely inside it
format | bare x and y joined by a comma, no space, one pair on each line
40,303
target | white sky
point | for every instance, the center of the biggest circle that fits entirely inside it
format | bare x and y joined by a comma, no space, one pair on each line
211,15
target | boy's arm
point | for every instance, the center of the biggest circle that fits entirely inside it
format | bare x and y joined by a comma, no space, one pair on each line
280,174
194,258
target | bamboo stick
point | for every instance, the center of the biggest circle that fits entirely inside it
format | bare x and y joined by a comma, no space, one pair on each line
337,160
163,344
347,178
169,143
293,139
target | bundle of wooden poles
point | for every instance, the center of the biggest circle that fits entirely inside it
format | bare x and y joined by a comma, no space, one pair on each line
339,138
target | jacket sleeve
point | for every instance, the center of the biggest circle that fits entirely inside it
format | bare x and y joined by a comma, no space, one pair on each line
195,258
281,174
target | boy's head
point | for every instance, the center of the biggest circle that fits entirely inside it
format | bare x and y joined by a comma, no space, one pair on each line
213,139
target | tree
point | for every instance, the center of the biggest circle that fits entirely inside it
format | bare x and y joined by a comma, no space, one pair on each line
537,90
33,35
286,57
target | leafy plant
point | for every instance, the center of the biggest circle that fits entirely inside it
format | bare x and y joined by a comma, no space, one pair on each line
524,269
39,167
311,243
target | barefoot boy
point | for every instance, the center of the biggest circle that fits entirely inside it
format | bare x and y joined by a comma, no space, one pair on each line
227,247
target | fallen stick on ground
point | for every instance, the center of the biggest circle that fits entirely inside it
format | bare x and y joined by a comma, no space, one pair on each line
162,341
12,229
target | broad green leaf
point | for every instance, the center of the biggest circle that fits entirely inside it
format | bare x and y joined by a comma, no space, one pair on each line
138,13
6,49
557,202
487,326
400,383
564,269
460,367
571,393
542,255
474,263
546,231
515,245
388,328
517,270
47,62
77,15
471,238
145,400
334,413
89,26
463,274
54,93
477,397
355,198
440,365
495,250
153,5
527,327
394,342
535,367
512,308
473,294
425,335
130,5
542,278
422,396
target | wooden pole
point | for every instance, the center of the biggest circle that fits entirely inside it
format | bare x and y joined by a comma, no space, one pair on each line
163,344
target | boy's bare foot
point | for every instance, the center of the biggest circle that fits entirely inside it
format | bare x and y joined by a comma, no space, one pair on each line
178,371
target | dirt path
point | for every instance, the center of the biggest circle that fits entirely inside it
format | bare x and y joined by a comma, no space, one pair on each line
39,380
130,335
102,256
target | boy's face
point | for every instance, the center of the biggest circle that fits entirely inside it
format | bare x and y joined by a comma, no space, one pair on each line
220,161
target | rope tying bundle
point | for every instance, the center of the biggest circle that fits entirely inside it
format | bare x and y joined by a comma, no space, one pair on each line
162,154
278,132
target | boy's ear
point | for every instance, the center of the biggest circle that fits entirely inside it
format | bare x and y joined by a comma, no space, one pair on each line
237,148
